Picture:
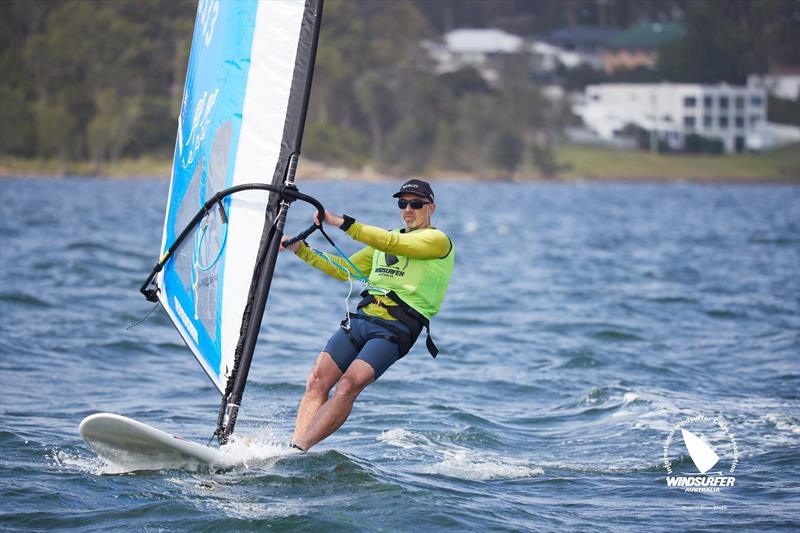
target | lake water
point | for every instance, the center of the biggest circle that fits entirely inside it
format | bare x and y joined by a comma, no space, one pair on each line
583,323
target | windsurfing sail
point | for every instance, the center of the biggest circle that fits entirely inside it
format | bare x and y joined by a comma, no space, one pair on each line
241,122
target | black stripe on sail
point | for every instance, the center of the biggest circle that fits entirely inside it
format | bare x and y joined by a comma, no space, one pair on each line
299,94
294,124
303,74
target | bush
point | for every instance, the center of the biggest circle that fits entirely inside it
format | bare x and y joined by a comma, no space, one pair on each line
783,111
331,144
698,144
639,134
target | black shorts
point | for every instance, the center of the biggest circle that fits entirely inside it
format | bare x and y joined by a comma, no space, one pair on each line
379,353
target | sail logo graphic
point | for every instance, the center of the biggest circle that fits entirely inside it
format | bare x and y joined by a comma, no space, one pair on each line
207,14
710,438
200,123
187,324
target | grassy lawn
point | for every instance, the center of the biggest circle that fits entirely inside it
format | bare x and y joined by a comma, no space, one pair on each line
125,168
578,162
782,164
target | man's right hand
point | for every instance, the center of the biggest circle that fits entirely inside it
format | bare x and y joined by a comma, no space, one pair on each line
293,248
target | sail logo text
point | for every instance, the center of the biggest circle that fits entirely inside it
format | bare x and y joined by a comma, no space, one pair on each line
703,455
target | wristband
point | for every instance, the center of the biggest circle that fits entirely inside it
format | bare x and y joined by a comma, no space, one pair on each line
348,221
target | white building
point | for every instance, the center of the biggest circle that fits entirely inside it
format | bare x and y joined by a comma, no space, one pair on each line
492,51
781,83
550,58
733,114
580,45
485,50
477,44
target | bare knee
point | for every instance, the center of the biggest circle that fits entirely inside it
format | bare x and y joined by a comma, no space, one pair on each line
312,383
315,385
349,388
321,379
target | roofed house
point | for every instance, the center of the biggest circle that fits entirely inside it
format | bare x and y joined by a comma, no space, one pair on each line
780,82
487,50
638,45
586,43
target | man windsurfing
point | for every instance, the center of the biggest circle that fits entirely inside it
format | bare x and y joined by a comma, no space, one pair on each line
408,271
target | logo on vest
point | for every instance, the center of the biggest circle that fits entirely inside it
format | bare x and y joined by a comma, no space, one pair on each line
390,260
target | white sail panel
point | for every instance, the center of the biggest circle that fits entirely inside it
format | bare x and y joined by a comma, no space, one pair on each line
265,108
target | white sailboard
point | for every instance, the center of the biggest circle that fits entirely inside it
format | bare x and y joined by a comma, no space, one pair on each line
136,446
239,135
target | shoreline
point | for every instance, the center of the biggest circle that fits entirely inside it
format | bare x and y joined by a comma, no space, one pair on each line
450,179
579,165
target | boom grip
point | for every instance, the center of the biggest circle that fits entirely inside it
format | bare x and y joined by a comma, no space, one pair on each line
303,235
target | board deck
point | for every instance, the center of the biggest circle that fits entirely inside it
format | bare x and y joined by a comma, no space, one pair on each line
137,446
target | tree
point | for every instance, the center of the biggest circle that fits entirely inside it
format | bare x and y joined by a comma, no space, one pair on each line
369,51
505,149
18,20
726,41
98,78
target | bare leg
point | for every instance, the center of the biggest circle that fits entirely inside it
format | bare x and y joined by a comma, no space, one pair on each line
320,381
335,411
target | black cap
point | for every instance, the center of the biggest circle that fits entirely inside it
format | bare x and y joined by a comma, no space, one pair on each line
422,188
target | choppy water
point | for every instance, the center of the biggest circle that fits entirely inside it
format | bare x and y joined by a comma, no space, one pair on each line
582,324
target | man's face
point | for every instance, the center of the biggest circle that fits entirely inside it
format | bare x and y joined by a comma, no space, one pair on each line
416,218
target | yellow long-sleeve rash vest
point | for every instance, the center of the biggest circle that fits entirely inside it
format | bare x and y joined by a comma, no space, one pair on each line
425,243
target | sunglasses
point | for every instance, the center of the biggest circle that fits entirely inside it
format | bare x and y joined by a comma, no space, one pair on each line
415,204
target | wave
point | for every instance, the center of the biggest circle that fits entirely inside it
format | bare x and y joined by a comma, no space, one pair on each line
24,299
456,461
71,461
616,335
241,453
783,423
476,466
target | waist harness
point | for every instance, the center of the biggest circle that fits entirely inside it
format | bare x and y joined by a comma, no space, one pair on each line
405,314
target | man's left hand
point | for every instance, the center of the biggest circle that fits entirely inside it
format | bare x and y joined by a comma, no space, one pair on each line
331,219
